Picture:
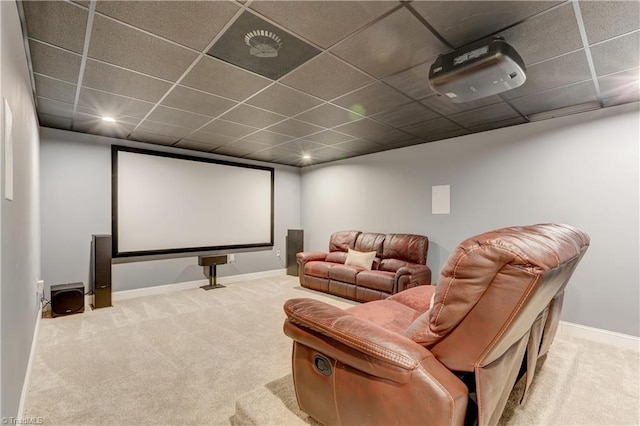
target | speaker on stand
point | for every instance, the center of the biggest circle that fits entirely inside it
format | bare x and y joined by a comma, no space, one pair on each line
101,270
295,244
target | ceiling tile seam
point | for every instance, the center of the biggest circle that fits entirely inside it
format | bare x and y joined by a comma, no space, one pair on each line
429,27
507,101
193,64
59,80
564,86
27,48
46,43
83,61
614,37
552,58
368,25
620,72
587,50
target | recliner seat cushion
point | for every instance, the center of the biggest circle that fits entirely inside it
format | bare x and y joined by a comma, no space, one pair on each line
318,269
344,273
378,280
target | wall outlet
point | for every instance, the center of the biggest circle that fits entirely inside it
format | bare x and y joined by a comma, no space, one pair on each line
278,253
40,286
232,258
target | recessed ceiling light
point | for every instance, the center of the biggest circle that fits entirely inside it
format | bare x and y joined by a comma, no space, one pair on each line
306,157
108,119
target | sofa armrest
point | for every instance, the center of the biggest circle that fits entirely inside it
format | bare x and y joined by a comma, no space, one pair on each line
412,275
307,256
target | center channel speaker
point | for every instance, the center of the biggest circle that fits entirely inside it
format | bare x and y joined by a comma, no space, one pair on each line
101,271
67,299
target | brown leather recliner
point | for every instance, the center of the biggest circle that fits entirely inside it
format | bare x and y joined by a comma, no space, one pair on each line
436,355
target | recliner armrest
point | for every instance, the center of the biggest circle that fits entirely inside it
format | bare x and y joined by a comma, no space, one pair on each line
361,344
411,276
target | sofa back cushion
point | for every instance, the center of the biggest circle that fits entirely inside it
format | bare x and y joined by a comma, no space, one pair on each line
370,241
343,241
408,248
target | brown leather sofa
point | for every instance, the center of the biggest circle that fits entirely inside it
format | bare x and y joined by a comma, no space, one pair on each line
399,263
447,354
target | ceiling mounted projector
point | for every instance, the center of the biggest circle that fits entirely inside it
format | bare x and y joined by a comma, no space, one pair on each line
478,70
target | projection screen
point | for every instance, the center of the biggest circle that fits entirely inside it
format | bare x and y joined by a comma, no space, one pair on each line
166,203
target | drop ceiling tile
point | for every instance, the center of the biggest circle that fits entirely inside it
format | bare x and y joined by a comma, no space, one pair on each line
606,19
94,125
266,155
214,76
98,75
433,127
364,128
391,137
328,153
283,100
454,133
231,151
190,23
60,109
321,22
121,45
198,102
358,146
228,128
267,137
557,98
487,114
178,117
622,85
51,88
196,146
561,35
296,128
329,137
53,121
251,116
395,43
247,146
556,72
498,124
151,138
413,82
372,99
163,129
58,23
250,40
209,138
463,22
326,77
54,62
113,105
405,143
405,115
328,115
301,146
617,55
444,106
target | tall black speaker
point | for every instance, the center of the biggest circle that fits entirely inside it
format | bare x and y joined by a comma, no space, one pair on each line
101,270
295,244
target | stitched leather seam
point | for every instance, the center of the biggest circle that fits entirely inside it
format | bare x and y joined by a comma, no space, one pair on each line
455,269
385,353
438,384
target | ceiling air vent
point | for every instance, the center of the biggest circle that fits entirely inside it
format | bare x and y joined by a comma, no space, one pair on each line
478,70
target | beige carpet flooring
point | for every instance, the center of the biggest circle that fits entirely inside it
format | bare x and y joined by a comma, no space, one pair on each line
220,357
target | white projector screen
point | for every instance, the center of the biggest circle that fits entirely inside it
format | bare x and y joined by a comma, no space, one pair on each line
165,203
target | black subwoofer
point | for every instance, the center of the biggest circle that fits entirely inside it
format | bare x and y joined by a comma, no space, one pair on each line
67,299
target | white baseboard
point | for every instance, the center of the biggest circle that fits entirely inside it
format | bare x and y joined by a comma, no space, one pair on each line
599,335
168,288
27,374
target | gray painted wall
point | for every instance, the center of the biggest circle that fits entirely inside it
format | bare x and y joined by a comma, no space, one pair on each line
20,229
76,203
581,170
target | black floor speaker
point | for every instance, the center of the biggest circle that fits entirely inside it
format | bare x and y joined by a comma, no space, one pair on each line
295,244
67,299
101,271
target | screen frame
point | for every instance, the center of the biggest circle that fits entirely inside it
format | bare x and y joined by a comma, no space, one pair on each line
116,253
